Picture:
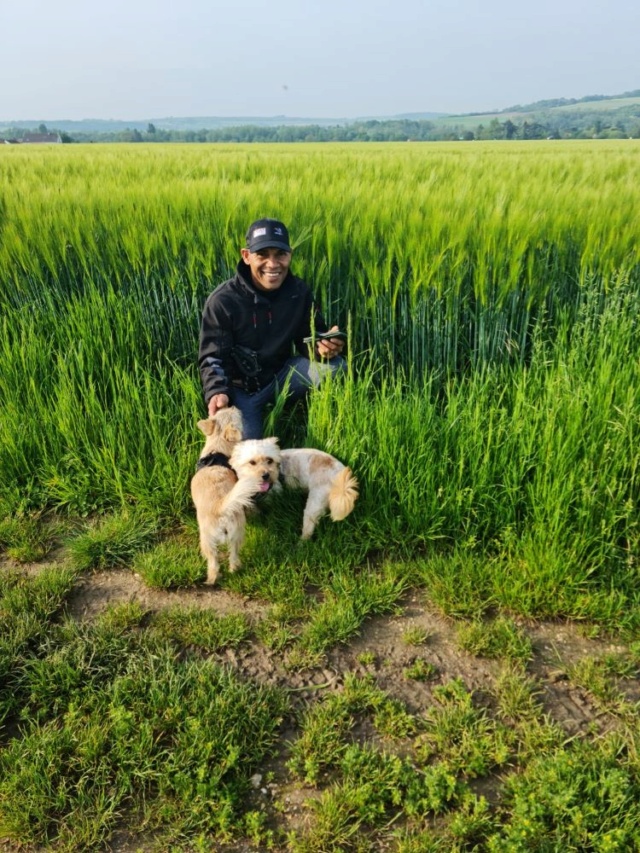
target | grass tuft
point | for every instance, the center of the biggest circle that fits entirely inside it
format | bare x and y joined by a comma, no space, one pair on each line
171,564
111,542
498,638
202,628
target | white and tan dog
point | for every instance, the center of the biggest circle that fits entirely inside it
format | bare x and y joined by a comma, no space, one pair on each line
220,498
258,459
331,485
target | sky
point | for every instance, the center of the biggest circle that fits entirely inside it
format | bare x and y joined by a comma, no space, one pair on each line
144,59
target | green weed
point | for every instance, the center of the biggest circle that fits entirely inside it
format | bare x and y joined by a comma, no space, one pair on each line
499,638
415,636
601,677
582,798
461,736
420,670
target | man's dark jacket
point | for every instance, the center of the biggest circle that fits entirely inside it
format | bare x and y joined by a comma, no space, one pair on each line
268,322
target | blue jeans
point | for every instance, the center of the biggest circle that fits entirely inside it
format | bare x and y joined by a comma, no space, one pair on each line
302,375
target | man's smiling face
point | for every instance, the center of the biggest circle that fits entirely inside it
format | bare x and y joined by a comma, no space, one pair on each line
269,267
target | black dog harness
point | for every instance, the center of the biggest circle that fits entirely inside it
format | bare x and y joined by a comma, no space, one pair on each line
214,459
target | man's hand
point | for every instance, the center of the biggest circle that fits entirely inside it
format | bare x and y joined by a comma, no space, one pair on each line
329,349
218,401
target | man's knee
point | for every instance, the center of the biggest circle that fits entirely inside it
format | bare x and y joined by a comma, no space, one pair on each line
323,369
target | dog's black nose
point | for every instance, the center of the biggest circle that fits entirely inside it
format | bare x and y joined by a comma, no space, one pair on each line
265,476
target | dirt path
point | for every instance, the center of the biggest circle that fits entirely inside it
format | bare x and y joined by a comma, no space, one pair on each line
380,650
556,646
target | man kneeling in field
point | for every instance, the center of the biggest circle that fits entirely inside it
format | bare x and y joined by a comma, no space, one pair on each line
253,324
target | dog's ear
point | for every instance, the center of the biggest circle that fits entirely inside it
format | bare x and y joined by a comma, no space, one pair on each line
272,441
206,426
232,434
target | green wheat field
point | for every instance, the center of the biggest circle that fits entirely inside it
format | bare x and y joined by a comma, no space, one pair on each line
491,412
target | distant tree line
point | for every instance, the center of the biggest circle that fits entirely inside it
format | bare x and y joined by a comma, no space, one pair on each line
572,124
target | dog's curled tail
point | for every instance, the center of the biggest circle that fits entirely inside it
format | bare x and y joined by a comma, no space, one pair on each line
343,494
241,496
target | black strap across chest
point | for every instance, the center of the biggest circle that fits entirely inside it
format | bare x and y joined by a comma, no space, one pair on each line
213,459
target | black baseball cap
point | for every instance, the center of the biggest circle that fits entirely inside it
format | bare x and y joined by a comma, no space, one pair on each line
267,234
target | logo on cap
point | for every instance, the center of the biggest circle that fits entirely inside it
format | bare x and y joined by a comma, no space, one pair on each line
265,233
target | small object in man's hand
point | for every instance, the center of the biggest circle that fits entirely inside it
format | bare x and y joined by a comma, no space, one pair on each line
326,336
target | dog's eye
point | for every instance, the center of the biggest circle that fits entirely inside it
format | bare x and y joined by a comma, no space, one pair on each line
252,462
269,461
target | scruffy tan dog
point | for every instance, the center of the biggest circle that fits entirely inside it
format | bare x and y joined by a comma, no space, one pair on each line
331,485
220,498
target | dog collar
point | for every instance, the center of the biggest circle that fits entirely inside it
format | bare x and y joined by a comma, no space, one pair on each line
213,459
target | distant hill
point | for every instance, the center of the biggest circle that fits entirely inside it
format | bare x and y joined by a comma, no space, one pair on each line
606,101
556,112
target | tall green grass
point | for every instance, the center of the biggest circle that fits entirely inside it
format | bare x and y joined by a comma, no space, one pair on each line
491,293
94,412
535,467
440,254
